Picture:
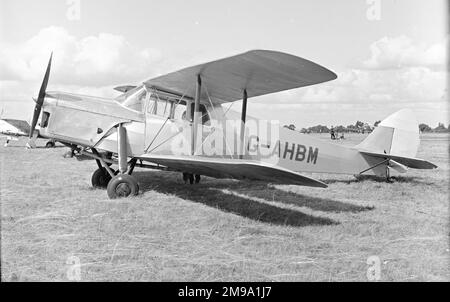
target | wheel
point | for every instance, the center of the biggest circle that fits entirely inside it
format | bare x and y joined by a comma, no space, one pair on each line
100,178
190,177
68,154
388,174
122,185
50,144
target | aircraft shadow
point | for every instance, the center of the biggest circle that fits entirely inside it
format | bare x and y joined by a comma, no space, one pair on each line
221,194
262,190
379,179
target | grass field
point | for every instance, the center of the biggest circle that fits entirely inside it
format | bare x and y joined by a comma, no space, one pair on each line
221,230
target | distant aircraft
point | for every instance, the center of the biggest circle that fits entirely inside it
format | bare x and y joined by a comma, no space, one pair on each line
176,122
11,129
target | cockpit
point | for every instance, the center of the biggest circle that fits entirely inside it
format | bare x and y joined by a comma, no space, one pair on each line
160,103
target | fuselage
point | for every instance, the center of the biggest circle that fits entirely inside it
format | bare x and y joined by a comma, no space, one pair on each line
161,125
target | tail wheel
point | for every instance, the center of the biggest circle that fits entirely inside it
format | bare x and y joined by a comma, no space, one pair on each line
122,185
100,178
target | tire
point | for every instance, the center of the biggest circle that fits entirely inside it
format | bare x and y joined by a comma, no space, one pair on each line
50,144
100,178
122,185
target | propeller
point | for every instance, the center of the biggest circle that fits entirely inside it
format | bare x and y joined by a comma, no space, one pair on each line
40,99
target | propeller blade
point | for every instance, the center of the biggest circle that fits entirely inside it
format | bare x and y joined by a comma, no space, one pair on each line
41,96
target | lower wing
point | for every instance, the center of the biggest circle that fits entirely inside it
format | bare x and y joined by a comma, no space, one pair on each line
232,168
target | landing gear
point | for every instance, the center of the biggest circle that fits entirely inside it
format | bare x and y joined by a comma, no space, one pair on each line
122,185
389,179
191,177
118,183
100,178
50,144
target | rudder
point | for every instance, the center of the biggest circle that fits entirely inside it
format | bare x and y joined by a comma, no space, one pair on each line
398,135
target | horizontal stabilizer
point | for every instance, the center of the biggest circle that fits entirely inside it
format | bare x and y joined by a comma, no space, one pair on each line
410,162
232,168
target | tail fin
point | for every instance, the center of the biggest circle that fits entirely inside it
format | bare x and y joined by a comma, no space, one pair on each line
396,139
398,135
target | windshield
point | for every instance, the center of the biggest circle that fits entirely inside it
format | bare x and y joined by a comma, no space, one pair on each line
124,96
133,99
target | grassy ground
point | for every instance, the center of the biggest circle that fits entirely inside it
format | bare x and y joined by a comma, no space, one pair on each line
221,230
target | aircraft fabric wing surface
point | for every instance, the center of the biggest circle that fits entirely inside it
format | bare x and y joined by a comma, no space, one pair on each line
259,72
410,162
232,168
19,124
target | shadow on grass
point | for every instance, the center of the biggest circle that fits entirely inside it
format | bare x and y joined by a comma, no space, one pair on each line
37,147
211,193
380,179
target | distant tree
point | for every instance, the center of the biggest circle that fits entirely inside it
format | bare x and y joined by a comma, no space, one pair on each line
376,123
424,128
352,128
290,127
367,128
340,129
359,124
319,129
440,128
303,130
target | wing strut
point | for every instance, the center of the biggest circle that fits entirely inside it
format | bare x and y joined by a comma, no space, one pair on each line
198,93
243,116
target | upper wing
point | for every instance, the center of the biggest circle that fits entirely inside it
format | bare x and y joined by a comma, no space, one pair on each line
410,162
21,125
258,71
230,168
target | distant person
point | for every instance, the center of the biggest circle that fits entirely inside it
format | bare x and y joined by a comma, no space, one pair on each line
333,135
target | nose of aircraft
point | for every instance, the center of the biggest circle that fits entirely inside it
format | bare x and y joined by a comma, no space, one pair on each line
41,97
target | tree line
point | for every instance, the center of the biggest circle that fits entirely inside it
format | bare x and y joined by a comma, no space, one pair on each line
361,127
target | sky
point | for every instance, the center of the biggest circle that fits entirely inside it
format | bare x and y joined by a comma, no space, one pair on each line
388,54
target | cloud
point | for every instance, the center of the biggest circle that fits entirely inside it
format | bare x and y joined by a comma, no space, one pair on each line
103,59
401,72
401,52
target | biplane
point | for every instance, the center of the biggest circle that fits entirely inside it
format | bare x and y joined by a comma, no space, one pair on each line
179,122
11,129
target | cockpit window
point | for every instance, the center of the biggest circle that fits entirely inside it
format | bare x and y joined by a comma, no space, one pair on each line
161,106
